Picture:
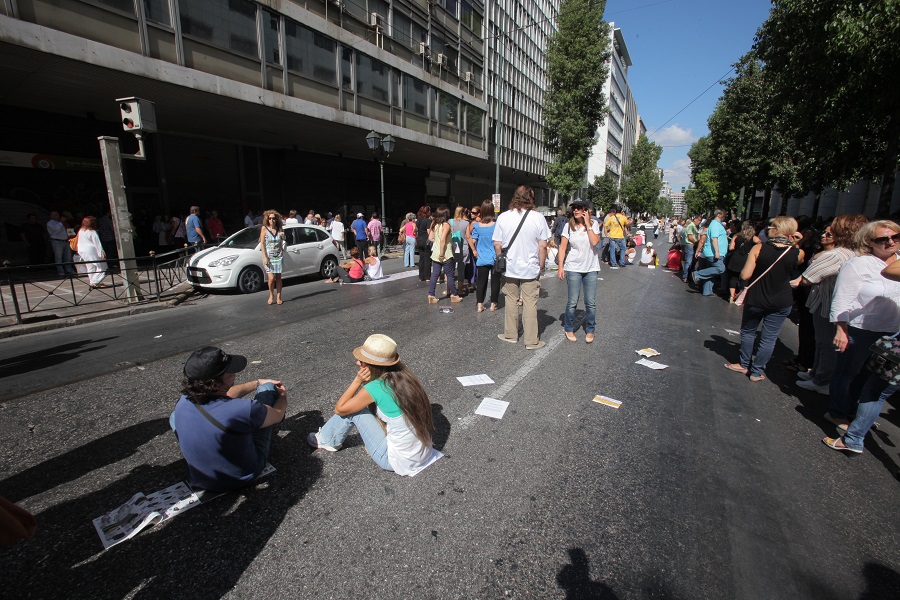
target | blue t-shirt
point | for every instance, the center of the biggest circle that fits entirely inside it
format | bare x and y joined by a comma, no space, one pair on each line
484,245
217,460
359,226
716,230
193,221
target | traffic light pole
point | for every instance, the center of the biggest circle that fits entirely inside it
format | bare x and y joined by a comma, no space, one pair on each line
118,204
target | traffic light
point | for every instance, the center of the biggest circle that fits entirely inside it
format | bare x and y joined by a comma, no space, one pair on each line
138,115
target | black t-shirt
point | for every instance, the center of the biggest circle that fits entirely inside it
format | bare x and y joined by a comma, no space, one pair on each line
422,227
773,292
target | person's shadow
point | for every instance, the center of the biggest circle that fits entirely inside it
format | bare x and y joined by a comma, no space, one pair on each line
199,554
575,579
441,427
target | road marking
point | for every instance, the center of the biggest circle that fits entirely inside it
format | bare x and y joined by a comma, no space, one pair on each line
514,379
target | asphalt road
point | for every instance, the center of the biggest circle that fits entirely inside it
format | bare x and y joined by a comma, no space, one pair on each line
702,485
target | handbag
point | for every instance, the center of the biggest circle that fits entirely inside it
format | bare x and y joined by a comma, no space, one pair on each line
739,300
884,360
73,243
500,261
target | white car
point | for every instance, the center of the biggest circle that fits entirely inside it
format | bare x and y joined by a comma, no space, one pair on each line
237,262
647,226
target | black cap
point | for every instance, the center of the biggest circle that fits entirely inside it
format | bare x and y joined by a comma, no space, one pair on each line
578,202
210,362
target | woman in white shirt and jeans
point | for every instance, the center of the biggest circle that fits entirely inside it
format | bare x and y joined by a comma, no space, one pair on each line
579,266
865,307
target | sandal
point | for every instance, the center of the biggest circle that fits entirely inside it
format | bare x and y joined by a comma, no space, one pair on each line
737,368
755,378
480,307
432,300
493,306
833,444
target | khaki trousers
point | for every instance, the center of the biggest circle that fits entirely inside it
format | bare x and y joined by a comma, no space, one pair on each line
529,289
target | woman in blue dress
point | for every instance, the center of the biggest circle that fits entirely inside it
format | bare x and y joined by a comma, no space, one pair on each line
271,243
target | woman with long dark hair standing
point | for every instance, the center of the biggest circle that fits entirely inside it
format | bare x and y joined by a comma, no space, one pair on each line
423,245
738,249
442,255
401,444
579,266
272,244
482,246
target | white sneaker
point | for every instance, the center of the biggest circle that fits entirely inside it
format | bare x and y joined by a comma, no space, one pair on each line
313,440
809,385
804,376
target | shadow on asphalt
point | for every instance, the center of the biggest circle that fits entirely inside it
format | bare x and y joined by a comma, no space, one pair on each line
201,555
24,363
575,579
441,427
881,582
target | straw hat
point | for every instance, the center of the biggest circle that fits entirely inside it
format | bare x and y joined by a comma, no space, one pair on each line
379,350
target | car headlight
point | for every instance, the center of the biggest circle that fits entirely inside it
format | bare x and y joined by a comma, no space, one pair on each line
225,261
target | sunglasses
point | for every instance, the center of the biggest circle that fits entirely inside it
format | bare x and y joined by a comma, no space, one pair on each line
886,241
827,234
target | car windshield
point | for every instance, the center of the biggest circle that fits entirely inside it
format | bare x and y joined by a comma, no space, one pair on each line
245,238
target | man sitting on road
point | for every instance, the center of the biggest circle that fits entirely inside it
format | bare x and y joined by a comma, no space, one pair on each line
224,437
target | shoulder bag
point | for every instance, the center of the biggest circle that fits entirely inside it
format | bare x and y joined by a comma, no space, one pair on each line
500,261
739,300
884,360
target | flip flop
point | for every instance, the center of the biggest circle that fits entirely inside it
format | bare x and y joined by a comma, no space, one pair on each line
755,378
832,443
736,368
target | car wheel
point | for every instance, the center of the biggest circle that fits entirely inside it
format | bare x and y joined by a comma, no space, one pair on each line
250,280
329,267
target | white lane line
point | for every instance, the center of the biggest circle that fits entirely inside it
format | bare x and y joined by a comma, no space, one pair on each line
514,379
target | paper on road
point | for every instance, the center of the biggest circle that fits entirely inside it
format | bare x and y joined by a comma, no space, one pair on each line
607,401
648,352
475,380
490,407
651,364
732,332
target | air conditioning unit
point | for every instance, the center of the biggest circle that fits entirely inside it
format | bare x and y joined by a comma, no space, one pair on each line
441,60
376,20
469,77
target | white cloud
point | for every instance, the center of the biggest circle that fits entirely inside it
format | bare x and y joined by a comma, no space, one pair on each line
678,174
673,135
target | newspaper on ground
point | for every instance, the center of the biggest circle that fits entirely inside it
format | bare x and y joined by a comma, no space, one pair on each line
648,352
490,407
468,380
732,332
144,510
607,401
651,364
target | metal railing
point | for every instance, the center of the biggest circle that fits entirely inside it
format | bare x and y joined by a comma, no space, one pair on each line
38,289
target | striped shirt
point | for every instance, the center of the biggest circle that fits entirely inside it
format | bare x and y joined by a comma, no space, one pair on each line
822,272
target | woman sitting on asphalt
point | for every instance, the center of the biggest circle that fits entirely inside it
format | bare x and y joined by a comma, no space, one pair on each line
398,436
352,271
769,299
648,256
373,264
865,307
579,267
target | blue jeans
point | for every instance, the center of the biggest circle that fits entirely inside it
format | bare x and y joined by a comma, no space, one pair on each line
875,391
577,281
709,274
448,266
335,431
688,261
409,252
848,377
616,244
62,253
772,321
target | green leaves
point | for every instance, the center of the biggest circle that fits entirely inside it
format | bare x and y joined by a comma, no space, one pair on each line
574,104
603,192
640,189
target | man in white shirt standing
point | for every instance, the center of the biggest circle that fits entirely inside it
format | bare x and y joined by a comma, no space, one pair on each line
525,258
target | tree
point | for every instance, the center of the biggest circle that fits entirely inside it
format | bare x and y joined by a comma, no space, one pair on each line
662,207
832,66
603,193
703,195
574,104
642,182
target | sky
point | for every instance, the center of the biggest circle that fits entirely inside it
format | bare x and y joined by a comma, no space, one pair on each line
678,49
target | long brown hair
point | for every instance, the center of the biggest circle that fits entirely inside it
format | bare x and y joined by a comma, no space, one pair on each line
487,212
439,216
411,397
844,227
523,198
89,223
272,213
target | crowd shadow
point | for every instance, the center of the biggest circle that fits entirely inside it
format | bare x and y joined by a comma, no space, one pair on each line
881,582
575,579
200,554
49,357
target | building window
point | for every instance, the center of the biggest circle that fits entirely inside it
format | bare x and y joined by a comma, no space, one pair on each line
474,121
470,17
415,96
126,6
371,78
310,53
271,24
229,24
347,69
157,11
448,113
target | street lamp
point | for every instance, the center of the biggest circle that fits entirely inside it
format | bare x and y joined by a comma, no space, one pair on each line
381,147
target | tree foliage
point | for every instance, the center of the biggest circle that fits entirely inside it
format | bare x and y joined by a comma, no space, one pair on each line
662,207
603,192
703,195
574,105
831,67
641,177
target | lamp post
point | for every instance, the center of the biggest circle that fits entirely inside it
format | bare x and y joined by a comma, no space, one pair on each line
381,147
